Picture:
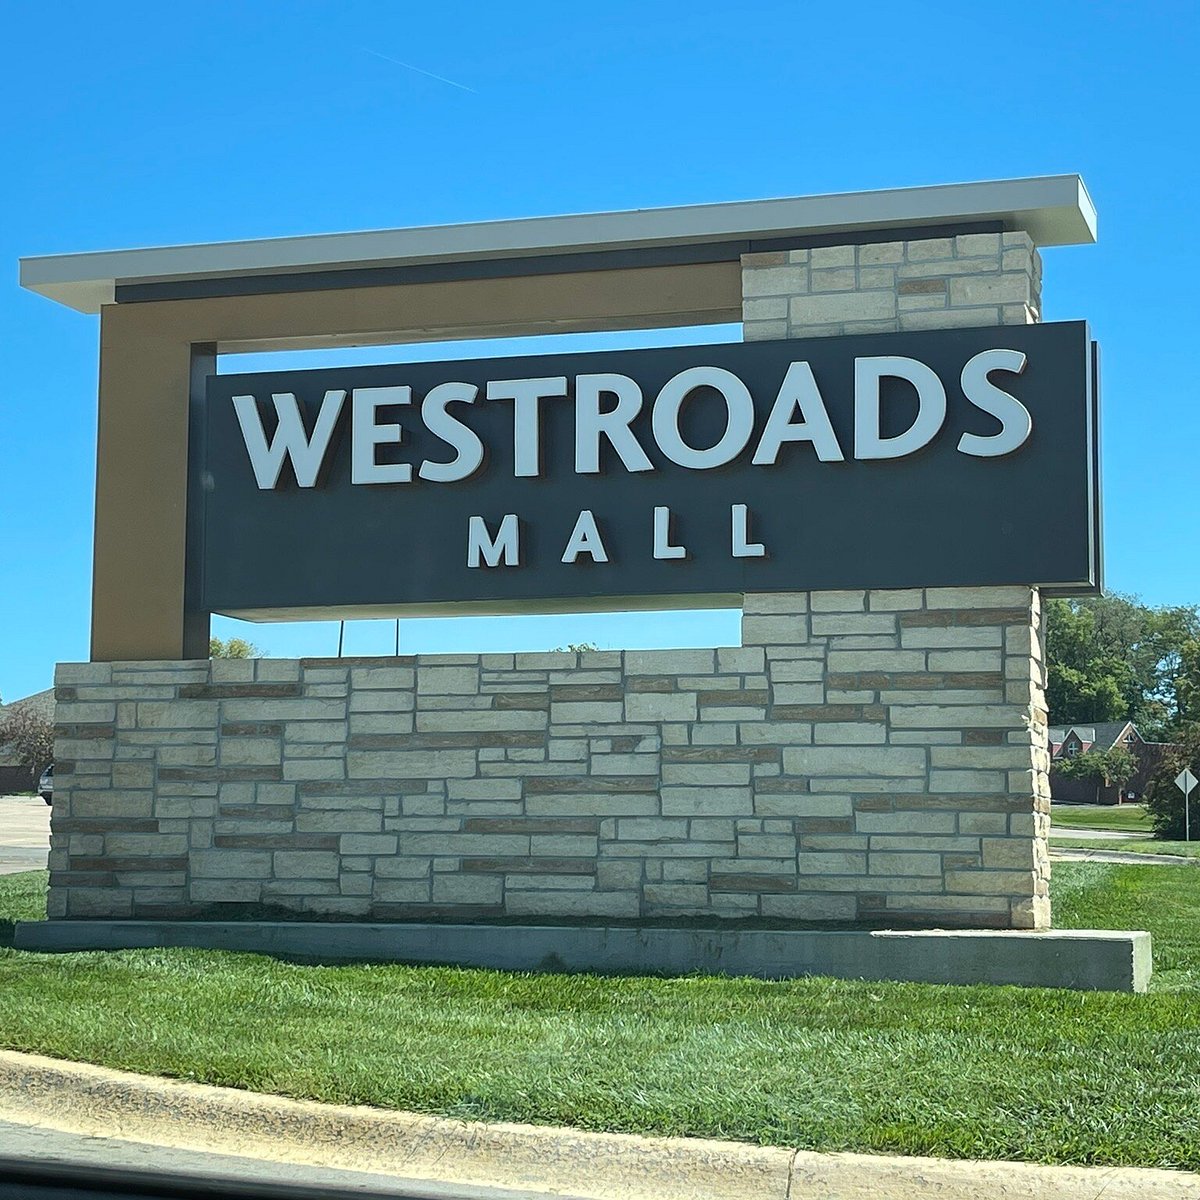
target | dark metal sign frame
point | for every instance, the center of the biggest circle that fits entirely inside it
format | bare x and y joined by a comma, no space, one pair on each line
934,517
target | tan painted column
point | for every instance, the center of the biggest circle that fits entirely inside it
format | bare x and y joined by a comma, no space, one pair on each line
146,357
141,489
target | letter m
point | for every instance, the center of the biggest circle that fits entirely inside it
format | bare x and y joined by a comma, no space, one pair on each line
482,546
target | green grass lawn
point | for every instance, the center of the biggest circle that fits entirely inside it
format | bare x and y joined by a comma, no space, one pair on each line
1099,816
1052,1076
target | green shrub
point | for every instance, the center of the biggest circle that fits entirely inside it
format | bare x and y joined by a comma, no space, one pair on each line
1164,801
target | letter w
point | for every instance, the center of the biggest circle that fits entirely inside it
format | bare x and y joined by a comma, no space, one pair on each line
290,439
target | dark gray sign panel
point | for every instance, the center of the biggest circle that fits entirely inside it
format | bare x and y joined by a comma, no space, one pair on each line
684,475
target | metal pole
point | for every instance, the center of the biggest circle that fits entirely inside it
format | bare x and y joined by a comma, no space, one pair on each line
1187,815
341,636
397,637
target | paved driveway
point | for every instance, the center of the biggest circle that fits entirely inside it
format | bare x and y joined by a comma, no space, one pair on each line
1128,858
24,834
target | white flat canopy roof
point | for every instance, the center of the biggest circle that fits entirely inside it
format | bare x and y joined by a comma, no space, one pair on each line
1054,209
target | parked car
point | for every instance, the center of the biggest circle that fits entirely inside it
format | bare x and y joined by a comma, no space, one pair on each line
46,784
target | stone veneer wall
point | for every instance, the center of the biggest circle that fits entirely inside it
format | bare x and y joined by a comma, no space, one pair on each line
881,287
863,756
874,757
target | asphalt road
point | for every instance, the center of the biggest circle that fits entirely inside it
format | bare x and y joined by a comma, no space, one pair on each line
24,834
37,1163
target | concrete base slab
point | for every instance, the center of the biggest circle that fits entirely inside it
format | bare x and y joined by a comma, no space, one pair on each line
1100,959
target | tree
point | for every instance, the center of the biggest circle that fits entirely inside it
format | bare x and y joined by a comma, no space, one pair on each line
1085,680
1112,658
1164,801
1106,767
1187,682
235,647
29,734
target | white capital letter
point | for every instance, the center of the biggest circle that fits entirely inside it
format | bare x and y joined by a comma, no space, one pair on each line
798,393
585,539
591,423
739,424
365,435
1015,422
742,546
465,441
662,536
868,417
525,394
481,544
290,440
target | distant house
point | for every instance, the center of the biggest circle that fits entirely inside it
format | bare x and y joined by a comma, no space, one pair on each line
1069,741
14,777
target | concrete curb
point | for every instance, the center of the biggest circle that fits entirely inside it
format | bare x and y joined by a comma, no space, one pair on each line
599,1166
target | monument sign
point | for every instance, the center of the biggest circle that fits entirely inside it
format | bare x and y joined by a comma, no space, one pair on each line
885,474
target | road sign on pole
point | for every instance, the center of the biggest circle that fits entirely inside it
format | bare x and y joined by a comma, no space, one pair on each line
1185,781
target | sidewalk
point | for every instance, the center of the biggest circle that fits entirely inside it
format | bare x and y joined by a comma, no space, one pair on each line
1124,857
79,1099
24,834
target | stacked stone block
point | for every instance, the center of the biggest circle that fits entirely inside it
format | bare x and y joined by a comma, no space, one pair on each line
873,757
882,287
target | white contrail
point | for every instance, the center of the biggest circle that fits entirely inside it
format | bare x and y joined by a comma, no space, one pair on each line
420,70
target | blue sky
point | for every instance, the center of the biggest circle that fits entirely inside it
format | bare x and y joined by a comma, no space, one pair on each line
142,124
